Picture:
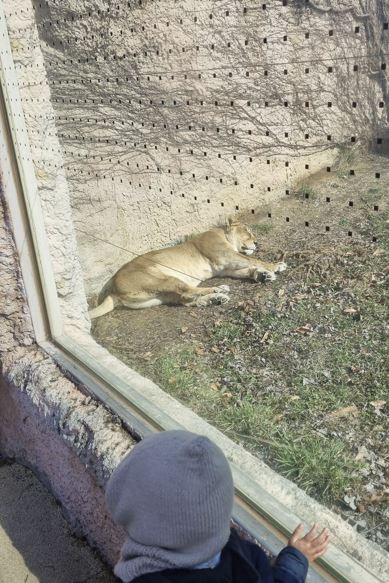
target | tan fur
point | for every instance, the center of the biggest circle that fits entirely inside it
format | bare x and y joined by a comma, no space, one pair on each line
171,275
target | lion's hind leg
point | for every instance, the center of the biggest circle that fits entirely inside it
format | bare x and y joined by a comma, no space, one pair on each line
174,291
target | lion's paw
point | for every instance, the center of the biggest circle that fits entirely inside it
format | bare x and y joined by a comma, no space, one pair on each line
264,275
219,299
280,267
269,276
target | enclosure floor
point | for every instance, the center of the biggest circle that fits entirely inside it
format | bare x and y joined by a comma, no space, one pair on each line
36,544
293,370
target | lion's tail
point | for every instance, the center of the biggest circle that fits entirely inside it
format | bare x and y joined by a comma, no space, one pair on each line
106,306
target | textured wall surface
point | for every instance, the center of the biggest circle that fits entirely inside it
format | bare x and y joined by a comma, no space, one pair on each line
52,184
47,423
165,117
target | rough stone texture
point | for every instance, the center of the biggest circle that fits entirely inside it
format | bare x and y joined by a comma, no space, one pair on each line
51,182
47,423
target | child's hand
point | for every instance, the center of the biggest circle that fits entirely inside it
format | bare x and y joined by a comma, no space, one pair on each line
312,545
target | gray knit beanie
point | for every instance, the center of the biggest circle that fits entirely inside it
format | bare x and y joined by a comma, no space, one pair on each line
173,494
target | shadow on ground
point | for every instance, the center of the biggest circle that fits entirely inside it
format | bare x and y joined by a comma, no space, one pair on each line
36,544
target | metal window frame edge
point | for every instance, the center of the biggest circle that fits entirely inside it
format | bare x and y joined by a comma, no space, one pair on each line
254,506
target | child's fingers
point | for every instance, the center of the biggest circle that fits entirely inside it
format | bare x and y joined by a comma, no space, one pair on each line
296,534
322,537
318,551
311,534
324,543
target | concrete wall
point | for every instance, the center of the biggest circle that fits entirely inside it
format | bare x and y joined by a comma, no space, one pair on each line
164,117
47,423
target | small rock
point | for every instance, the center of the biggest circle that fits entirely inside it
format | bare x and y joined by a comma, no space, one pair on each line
350,501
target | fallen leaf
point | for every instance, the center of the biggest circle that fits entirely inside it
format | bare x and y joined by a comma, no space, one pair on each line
281,293
306,329
350,411
350,311
294,398
184,329
172,381
265,337
227,395
378,404
199,351
378,497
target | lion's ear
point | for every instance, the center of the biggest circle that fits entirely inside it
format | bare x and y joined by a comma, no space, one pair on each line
231,222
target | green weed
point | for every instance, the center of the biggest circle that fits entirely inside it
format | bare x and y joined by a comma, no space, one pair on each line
322,467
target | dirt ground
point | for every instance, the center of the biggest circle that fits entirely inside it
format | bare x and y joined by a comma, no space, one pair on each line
36,543
296,370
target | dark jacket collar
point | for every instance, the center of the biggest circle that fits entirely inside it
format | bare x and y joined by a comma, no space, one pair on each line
233,567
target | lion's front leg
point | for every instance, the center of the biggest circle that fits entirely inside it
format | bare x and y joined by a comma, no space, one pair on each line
252,268
267,271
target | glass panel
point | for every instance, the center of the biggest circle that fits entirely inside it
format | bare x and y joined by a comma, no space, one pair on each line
152,122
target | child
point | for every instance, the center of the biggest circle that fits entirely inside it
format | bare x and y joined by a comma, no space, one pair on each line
173,494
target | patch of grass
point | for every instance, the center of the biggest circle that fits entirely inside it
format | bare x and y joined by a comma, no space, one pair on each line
322,467
379,227
228,331
261,228
189,381
252,423
342,173
347,154
305,191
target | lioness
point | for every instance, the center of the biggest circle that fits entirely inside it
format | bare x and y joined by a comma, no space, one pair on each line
171,275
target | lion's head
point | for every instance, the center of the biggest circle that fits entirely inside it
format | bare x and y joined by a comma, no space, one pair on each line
241,237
